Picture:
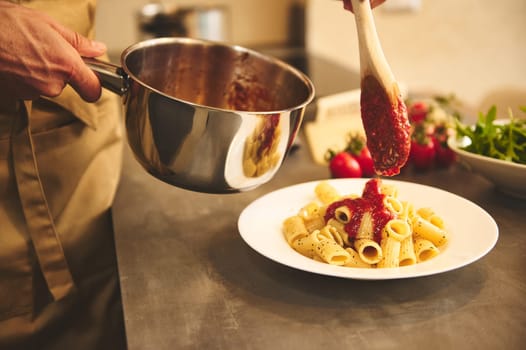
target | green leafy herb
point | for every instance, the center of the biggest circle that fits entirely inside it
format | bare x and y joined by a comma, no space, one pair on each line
489,137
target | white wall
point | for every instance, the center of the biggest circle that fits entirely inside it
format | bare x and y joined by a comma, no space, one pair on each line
469,47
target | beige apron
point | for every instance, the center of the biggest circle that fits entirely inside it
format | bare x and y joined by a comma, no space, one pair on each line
60,162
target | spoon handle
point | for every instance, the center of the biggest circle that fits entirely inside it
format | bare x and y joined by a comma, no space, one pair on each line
372,58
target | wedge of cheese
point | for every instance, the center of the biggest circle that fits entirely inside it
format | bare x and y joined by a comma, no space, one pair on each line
336,116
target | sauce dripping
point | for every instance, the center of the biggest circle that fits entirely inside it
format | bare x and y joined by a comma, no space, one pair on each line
371,201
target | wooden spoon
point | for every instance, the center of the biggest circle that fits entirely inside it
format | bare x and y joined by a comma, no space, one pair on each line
384,114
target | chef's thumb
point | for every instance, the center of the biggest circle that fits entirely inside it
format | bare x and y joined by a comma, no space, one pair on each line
82,78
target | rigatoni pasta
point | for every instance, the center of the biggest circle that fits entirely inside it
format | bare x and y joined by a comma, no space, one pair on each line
326,193
374,230
391,252
294,228
407,252
368,250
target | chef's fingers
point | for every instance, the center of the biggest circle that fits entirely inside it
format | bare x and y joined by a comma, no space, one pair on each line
84,46
85,81
348,6
82,78
375,3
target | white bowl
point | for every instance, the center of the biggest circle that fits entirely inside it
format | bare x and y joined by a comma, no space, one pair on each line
508,177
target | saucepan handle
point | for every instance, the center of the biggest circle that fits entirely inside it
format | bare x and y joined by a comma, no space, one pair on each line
112,77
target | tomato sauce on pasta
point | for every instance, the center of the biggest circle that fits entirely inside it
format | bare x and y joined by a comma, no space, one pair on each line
375,230
371,201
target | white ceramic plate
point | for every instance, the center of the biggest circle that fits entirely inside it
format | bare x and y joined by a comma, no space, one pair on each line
473,232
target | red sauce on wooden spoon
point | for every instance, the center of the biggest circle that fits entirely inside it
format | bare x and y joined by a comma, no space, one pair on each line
386,126
384,114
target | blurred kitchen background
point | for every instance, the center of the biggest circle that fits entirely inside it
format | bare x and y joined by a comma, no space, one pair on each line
473,48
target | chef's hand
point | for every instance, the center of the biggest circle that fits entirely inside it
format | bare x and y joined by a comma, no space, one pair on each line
348,6
39,56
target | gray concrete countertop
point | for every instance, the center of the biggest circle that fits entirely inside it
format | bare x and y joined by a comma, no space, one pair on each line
190,282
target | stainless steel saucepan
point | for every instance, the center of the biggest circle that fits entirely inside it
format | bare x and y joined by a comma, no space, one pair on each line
207,116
